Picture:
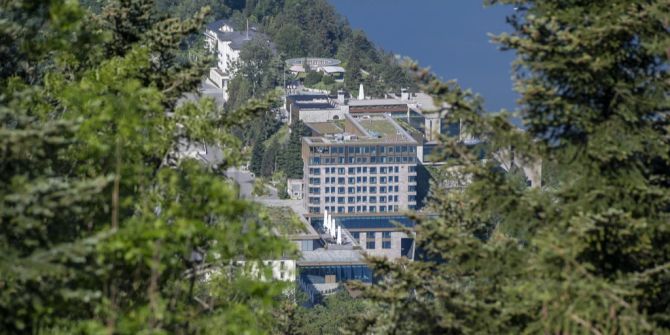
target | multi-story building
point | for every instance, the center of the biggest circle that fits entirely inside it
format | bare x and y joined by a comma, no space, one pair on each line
226,43
359,165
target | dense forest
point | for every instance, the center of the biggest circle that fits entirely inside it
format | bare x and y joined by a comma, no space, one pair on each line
104,230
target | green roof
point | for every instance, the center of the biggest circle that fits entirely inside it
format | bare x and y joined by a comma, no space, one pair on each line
285,221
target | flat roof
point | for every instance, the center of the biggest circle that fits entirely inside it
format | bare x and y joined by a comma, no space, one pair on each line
313,61
331,257
325,127
333,69
237,38
376,102
377,129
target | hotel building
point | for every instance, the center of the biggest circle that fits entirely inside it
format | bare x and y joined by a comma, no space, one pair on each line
359,165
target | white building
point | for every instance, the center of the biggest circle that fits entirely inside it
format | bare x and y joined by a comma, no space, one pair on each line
226,43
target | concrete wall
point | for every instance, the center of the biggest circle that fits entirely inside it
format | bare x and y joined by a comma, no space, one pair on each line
320,115
393,253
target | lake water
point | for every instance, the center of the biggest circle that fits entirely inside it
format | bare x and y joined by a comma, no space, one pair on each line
450,36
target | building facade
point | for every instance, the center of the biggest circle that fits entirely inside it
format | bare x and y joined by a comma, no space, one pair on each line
370,166
226,43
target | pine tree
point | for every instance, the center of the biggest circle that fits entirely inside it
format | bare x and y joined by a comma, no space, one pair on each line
257,153
99,233
588,254
270,159
292,154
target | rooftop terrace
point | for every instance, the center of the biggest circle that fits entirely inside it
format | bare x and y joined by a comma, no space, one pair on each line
363,129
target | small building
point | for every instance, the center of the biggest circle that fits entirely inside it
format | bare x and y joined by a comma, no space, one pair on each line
327,66
314,107
294,188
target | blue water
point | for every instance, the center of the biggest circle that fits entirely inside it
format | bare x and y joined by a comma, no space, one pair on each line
450,36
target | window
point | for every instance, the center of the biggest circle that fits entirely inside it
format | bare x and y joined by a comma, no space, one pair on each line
386,234
412,169
382,180
314,200
340,200
358,169
411,189
373,170
315,171
411,198
352,190
352,180
386,244
412,179
382,189
340,170
370,245
382,209
370,234
396,179
356,235
351,200
365,169
395,188
340,209
373,180
314,190
340,181
382,169
314,210
315,181
351,209
352,170
373,200
373,189
373,209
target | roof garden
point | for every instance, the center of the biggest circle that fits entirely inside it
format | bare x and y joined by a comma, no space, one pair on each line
285,221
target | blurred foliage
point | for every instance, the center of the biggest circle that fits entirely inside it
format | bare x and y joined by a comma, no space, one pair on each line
102,227
587,253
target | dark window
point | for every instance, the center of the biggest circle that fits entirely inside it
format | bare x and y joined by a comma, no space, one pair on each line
370,234
386,245
370,245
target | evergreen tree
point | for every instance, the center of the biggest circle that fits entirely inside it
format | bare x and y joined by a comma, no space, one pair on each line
291,160
270,159
257,153
592,256
99,231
